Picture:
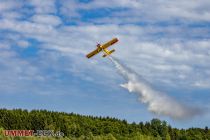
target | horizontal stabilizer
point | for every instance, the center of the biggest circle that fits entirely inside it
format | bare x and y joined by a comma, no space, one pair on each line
110,52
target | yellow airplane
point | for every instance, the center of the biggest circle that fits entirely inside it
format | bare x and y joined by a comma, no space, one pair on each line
103,48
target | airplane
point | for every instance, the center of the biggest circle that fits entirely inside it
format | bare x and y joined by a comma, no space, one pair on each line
103,48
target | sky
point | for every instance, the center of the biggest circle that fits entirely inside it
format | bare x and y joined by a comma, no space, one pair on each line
43,44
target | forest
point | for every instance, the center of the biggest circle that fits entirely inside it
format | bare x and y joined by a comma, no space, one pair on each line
80,127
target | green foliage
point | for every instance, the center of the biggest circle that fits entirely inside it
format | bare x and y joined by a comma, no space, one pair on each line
78,127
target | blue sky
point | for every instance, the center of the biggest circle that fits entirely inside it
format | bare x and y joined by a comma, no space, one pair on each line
43,44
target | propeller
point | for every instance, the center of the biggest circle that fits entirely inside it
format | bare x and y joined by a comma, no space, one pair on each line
98,44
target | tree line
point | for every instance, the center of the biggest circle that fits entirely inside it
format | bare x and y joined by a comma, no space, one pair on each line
75,126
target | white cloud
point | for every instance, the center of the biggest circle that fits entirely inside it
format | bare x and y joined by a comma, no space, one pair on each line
202,84
142,11
156,60
16,74
44,6
71,7
4,45
46,19
8,9
11,15
6,5
23,43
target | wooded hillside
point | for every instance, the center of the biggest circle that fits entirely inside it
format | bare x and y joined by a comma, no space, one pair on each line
79,126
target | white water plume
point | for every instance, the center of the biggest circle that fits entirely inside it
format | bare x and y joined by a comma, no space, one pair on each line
157,102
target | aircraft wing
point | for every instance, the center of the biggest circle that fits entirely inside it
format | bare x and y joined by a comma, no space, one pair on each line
111,42
93,53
